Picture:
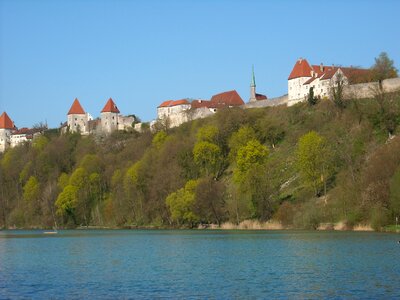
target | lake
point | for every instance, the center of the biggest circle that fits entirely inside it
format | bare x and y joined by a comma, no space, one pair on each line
196,264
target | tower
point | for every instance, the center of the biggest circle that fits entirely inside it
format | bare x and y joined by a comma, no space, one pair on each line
253,87
109,117
77,118
6,127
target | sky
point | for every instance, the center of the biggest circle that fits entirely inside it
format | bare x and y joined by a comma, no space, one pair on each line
141,53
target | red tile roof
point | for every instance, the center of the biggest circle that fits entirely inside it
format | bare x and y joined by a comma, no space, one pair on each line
23,130
261,97
110,107
200,103
230,98
5,121
300,69
303,69
170,103
76,108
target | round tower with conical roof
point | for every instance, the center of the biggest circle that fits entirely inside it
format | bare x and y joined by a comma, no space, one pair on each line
109,117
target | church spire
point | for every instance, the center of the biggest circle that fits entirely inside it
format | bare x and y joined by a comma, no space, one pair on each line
253,78
253,86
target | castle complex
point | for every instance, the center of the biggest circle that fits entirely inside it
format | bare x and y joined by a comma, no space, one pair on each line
110,120
302,79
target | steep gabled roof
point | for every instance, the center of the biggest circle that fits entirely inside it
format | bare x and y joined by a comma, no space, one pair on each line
6,122
300,69
110,107
230,98
76,108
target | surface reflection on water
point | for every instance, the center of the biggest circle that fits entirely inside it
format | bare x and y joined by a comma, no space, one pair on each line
198,264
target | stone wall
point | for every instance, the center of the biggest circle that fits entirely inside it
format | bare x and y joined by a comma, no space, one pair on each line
370,89
282,100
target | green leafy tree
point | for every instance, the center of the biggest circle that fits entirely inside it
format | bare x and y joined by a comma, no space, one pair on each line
40,142
67,200
384,67
31,190
207,133
248,156
159,139
208,157
181,202
63,181
135,190
239,139
313,161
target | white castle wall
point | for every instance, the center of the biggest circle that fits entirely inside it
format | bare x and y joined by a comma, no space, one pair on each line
4,139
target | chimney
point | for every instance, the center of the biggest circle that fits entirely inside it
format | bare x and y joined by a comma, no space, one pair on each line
312,73
300,60
321,67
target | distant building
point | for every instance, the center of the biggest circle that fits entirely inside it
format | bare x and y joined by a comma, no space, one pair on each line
254,97
110,120
109,117
6,128
77,118
24,135
177,112
321,78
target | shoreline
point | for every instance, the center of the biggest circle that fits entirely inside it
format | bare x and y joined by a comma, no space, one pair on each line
244,225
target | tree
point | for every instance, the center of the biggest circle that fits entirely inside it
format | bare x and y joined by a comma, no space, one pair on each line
207,133
384,67
209,204
180,204
336,89
31,190
395,193
208,157
239,139
310,98
250,155
66,201
159,139
313,161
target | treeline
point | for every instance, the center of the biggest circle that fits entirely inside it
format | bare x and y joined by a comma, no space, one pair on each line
300,166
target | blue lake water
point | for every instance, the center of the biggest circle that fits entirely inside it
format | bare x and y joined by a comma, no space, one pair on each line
148,264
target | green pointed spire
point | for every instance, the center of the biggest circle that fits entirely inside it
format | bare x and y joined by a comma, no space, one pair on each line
253,78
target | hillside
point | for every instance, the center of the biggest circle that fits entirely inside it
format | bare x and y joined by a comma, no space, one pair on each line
301,166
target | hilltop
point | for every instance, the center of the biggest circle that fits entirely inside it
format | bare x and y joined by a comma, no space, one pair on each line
236,165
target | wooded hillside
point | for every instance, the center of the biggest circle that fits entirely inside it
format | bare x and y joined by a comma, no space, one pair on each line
301,166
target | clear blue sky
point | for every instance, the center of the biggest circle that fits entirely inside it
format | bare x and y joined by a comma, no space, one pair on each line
141,53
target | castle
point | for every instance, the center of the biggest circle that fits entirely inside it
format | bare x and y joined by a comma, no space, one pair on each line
110,120
303,77
176,112
321,79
